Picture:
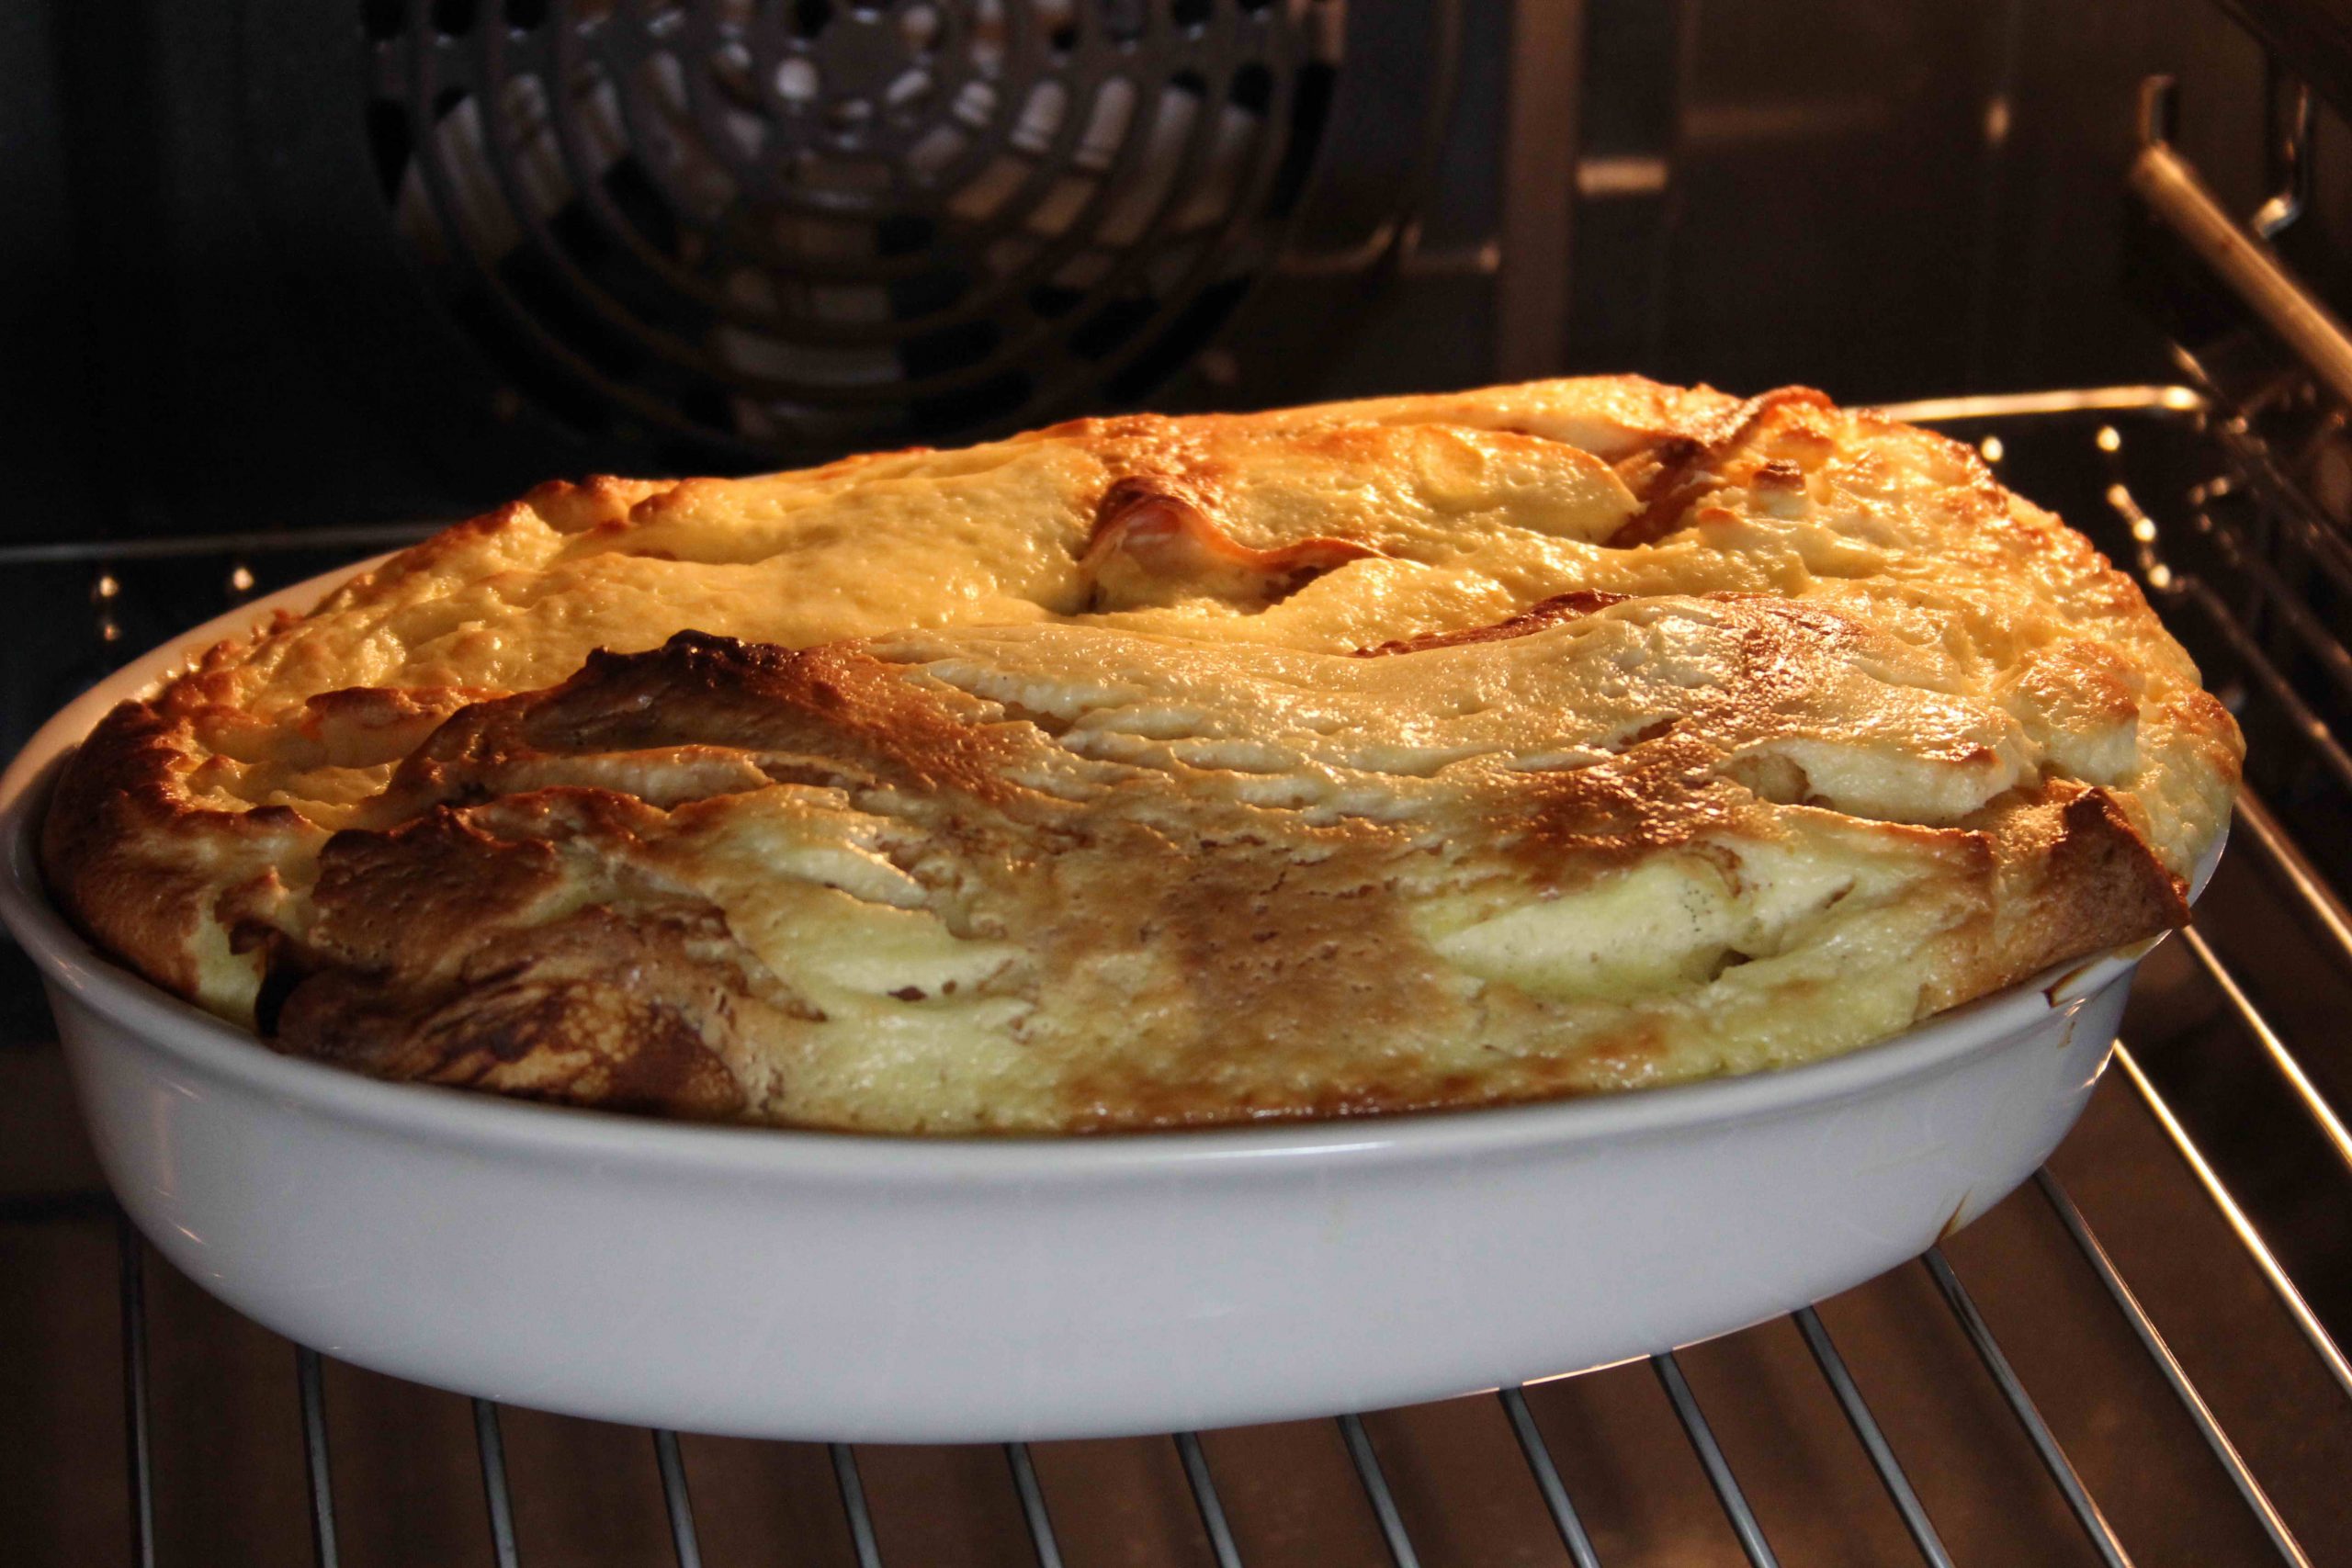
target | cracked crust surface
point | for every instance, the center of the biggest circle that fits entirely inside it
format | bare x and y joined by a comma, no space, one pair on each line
1422,753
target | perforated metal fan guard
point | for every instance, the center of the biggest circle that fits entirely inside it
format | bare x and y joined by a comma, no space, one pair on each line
809,227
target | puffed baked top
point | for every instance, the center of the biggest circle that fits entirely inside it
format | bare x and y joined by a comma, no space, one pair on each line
1422,753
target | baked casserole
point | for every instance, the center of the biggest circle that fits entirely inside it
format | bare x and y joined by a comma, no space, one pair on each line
1424,753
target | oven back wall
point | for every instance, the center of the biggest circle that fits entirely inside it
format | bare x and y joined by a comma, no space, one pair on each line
1889,201
215,324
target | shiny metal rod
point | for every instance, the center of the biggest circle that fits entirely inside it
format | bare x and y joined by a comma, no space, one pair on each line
2054,1457
2288,856
2250,657
2314,1334
684,1542
1205,1499
2175,193
2140,399
1375,1489
310,1379
2316,1104
1547,1480
492,1444
137,1438
1891,1474
1743,1522
1032,1505
2152,1342
861,1518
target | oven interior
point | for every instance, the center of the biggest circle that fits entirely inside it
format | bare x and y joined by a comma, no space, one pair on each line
300,282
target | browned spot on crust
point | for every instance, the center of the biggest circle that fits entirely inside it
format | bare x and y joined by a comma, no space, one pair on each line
1657,796
368,725
1158,529
113,844
2099,854
1267,949
1687,466
1535,618
2073,877
595,1008
598,500
426,890
441,952
850,715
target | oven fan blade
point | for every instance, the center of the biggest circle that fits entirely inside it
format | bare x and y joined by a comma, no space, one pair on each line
748,229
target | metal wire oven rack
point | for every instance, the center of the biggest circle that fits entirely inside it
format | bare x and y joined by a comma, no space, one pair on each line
2217,1158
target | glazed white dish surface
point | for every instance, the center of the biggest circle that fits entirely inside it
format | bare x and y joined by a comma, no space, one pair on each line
818,1285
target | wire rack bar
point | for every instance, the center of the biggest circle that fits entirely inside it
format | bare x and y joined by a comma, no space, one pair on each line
1547,1480
2180,198
1032,1505
2314,1103
2269,588
2309,888
683,1538
140,1455
1375,1489
1204,1497
370,537
2037,1430
1890,1470
310,1379
2169,398
2315,1333
1743,1522
2153,1341
2314,537
861,1517
2250,656
493,1447
2251,460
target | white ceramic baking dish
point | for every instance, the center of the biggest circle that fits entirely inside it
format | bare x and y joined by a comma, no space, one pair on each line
814,1285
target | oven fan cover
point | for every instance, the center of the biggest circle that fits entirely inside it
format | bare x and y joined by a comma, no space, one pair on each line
732,231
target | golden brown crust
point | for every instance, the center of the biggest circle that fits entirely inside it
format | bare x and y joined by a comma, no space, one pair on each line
1535,618
1154,540
589,1010
89,841
1686,466
1147,772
